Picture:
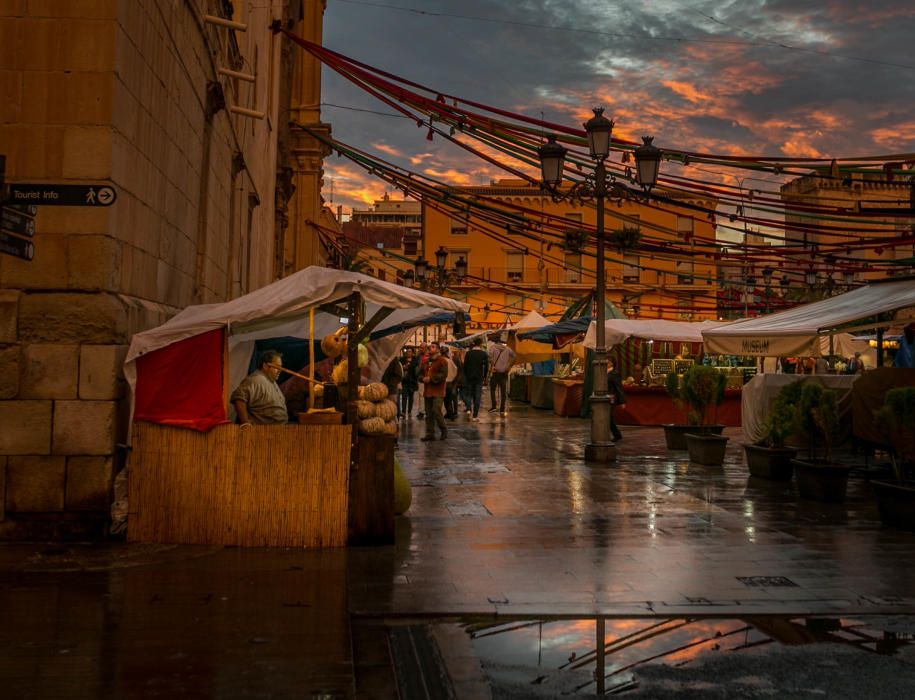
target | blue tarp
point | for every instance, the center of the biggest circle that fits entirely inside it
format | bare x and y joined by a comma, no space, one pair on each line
547,333
295,350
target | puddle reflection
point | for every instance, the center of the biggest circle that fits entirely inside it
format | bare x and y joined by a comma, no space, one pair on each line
564,655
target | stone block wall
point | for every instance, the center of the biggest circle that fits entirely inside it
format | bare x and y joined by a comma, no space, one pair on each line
117,91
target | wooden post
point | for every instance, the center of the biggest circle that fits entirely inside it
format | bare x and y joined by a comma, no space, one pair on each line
371,492
352,357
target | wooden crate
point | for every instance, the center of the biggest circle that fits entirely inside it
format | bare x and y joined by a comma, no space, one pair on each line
259,486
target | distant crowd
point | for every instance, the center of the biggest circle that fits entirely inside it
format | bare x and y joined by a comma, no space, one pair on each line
449,381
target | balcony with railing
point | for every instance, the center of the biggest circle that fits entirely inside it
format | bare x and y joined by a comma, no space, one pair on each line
554,276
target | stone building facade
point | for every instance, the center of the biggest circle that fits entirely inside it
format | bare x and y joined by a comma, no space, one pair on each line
136,94
879,209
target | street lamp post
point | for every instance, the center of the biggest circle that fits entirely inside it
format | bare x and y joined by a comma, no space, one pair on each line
597,187
767,279
441,276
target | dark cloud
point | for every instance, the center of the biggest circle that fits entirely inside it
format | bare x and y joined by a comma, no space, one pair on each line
756,76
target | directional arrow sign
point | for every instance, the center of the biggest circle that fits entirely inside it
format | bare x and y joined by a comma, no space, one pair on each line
14,221
18,247
63,195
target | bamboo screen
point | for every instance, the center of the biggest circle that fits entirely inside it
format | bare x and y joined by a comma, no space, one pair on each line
263,486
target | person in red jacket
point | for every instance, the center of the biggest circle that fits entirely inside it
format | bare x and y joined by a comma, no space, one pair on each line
434,378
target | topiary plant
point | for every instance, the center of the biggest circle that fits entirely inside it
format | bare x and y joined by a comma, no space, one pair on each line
674,388
782,419
897,420
703,390
818,416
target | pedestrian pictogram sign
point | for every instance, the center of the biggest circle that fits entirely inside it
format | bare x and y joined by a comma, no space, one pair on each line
62,195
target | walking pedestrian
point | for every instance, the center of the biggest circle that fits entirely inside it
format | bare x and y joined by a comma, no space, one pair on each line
501,359
615,390
434,380
409,383
450,390
422,360
476,367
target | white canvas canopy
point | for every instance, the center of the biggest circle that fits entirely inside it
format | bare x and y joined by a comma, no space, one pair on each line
618,330
530,321
794,332
282,309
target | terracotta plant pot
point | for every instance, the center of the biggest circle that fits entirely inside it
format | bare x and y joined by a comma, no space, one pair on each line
706,449
896,503
770,462
821,481
675,433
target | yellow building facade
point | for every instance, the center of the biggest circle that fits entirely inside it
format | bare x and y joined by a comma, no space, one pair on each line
511,273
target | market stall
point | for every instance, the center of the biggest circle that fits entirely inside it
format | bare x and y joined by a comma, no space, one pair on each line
647,401
564,395
197,478
801,331
526,349
797,332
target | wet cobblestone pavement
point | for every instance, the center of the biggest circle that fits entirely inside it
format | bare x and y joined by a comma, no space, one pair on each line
506,520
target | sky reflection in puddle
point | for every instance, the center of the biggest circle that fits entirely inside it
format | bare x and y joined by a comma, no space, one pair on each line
562,654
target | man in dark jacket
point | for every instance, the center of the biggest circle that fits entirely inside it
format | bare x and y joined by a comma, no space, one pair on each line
409,384
615,390
476,367
392,378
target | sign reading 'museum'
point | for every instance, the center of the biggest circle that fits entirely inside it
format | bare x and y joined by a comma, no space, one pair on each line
755,346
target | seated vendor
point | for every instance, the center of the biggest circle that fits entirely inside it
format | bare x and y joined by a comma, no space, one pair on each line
258,399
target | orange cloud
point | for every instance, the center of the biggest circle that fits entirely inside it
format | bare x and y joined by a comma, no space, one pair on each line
798,148
386,148
892,136
686,91
450,176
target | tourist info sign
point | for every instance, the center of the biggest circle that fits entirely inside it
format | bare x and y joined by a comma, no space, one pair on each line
62,195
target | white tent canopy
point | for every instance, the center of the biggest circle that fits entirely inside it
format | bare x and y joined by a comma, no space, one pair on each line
794,332
282,309
618,330
530,321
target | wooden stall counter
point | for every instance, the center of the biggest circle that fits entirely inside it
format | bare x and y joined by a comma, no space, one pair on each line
542,391
567,397
652,405
258,486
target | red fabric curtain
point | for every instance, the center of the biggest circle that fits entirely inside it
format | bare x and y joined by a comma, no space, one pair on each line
182,384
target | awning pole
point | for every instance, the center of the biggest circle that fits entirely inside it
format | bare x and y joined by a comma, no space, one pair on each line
880,347
311,357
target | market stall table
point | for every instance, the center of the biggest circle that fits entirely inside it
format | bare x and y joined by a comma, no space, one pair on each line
567,396
541,392
651,405
519,387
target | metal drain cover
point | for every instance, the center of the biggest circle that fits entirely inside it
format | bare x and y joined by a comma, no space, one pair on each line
766,581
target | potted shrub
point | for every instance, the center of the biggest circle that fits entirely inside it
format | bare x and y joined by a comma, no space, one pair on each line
818,477
675,433
896,418
770,458
703,390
